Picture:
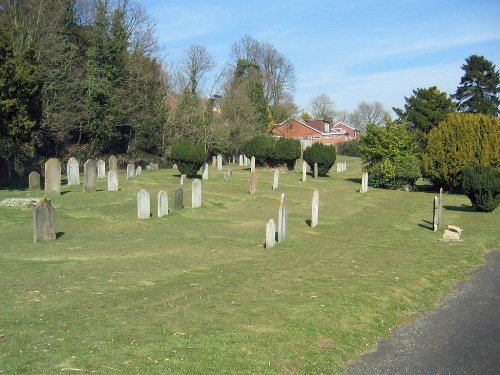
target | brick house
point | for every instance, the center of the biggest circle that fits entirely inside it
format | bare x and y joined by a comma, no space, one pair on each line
312,131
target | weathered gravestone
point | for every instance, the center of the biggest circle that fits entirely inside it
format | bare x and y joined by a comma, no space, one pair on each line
44,219
364,182
270,234
315,209
196,194
89,175
452,234
245,161
315,170
53,176
73,172
214,161
241,160
183,179
253,182
130,171
219,162
179,199
112,180
34,181
435,214
227,175
204,171
143,204
304,171
162,203
252,164
113,163
282,219
276,178
101,169
138,170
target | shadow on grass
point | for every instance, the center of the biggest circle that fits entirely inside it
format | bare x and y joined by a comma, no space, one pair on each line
309,222
59,235
356,180
462,208
427,225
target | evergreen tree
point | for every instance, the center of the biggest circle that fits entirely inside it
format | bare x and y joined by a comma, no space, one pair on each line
479,87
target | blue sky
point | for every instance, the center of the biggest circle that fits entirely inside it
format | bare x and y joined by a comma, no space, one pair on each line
352,50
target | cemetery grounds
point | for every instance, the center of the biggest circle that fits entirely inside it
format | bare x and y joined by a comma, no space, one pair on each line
196,292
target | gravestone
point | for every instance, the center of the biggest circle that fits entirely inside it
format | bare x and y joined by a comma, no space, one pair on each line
34,181
276,178
138,171
73,172
112,180
219,162
440,204
227,175
113,163
270,234
344,166
44,218
196,194
338,167
53,176
253,182
179,199
101,169
130,171
143,204
315,209
234,159
252,164
245,161
204,171
282,219
304,171
162,203
315,170
183,179
241,160
214,161
452,234
435,214
89,175
364,182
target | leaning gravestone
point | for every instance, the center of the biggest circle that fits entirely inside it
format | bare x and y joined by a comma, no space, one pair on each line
196,194
143,204
130,171
276,178
44,218
270,234
73,172
113,163
162,203
282,219
53,176
112,180
204,171
34,181
89,175
101,169
253,182
315,209
179,199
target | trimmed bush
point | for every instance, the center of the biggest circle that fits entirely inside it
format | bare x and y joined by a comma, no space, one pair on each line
286,152
322,154
188,157
482,186
260,146
348,148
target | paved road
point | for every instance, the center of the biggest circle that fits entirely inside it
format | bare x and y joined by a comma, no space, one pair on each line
463,337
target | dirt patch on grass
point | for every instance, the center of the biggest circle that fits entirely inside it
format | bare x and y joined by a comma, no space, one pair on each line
327,344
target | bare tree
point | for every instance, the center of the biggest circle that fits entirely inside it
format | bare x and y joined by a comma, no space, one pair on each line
322,106
196,63
369,113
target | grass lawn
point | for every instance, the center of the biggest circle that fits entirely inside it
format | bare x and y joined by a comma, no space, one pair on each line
196,292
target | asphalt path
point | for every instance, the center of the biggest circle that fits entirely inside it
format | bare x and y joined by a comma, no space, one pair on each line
462,337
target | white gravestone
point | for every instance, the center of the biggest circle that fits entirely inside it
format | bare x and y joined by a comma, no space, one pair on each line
101,169
162,203
276,179
315,209
143,204
282,219
112,180
270,234
73,172
196,194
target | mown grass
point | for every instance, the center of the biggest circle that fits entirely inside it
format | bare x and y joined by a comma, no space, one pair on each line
196,292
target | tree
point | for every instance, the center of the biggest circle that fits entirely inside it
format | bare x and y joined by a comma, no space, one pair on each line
462,140
479,87
368,113
196,63
322,106
323,155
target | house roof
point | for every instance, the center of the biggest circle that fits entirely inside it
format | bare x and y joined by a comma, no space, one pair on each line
314,126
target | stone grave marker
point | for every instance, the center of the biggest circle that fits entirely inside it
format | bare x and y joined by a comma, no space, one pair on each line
452,234
214,161
112,180
219,162
435,214
270,234
315,209
196,193
101,169
315,170
304,171
252,164
44,219
276,178
143,204
179,199
53,176
34,181
253,182
113,163
245,161
241,160
282,219
138,170
130,171
204,171
162,203
89,175
183,179
73,172
364,182
227,175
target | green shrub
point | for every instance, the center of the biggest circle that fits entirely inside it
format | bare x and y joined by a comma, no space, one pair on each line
188,157
462,140
349,148
261,147
403,173
482,186
286,152
322,154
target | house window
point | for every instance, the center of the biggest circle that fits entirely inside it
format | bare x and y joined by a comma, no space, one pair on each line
327,136
317,137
